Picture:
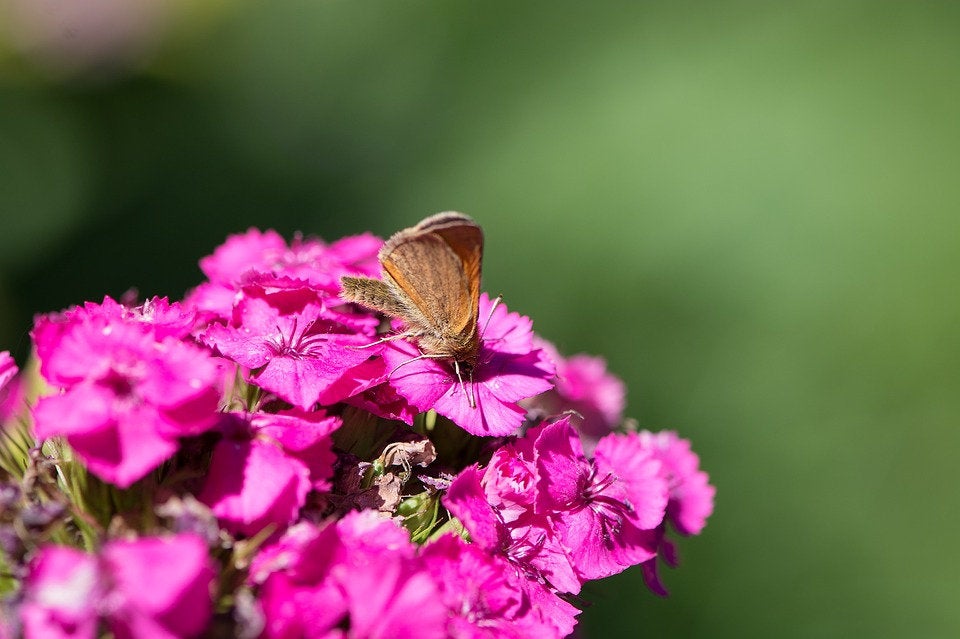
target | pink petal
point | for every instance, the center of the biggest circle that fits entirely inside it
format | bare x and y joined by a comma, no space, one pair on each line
82,409
212,301
126,449
305,436
466,501
691,495
511,377
8,368
302,381
240,253
393,599
239,345
640,472
170,602
296,430
251,484
61,595
503,331
561,467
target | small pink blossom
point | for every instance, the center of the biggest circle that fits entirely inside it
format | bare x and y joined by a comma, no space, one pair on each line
264,466
11,388
253,250
153,603
68,591
509,369
691,496
488,599
498,508
583,385
357,579
8,369
298,356
604,510
309,261
61,595
527,540
126,395
157,316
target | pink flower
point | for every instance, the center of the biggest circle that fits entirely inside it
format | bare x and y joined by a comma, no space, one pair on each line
691,496
357,579
61,594
265,465
299,356
310,261
127,394
8,369
497,507
583,385
157,315
526,539
68,591
177,601
11,389
253,250
488,599
605,510
509,368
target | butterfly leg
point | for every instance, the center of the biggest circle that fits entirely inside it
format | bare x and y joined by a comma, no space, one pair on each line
469,395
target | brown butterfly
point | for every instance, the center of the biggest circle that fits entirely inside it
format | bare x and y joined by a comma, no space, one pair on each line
431,281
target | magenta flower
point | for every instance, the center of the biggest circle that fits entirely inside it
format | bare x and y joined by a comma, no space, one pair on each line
691,496
67,592
357,579
127,395
255,253
488,599
8,369
253,250
61,594
526,540
11,389
177,601
604,511
165,318
247,257
265,465
509,368
157,315
583,385
498,508
373,395
298,356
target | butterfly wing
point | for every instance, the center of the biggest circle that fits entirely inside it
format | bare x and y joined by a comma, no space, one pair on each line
465,238
436,264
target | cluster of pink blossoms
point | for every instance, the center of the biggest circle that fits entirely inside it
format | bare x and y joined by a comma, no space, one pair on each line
253,461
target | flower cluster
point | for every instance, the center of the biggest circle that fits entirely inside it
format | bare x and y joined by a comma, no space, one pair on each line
257,460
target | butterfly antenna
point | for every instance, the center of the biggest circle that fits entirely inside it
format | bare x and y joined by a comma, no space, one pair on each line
473,391
496,303
409,361
381,341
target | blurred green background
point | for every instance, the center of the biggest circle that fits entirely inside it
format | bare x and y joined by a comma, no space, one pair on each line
750,209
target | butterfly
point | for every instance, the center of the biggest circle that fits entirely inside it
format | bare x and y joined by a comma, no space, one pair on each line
431,281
